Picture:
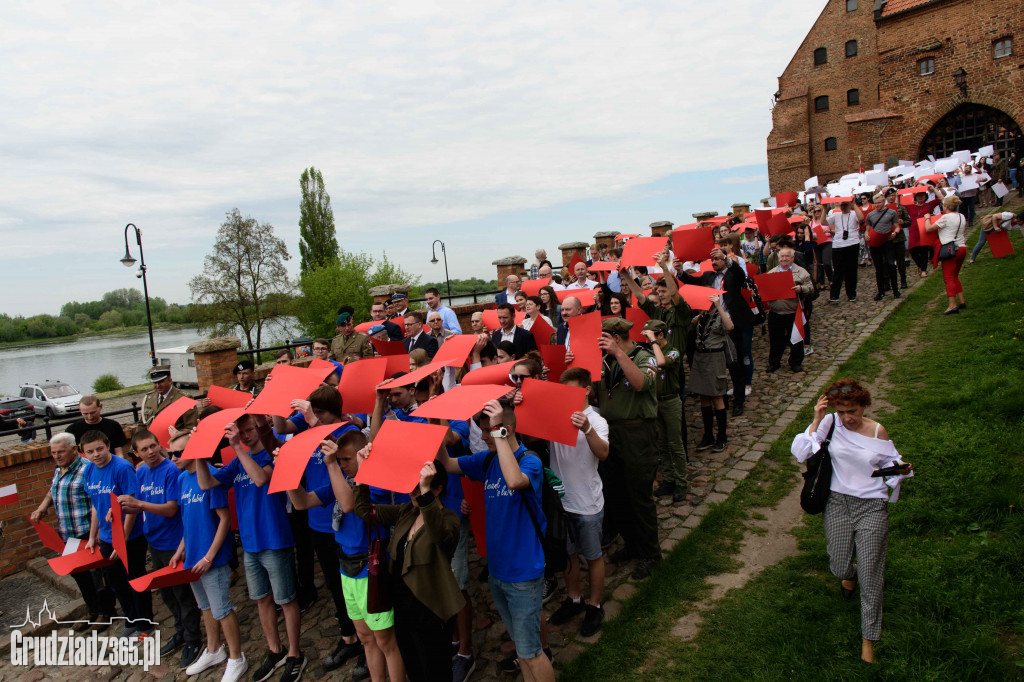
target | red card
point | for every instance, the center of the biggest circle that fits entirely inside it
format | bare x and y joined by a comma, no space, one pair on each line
571,265
210,431
358,384
285,384
697,297
586,296
455,349
554,360
49,537
820,235
473,492
1000,244
641,251
317,363
785,199
623,237
546,408
76,562
166,418
398,455
492,374
774,286
226,455
117,530
778,224
532,287
396,363
927,238
935,177
918,189
293,456
490,318
639,318
414,376
836,200
605,266
364,327
542,332
693,245
164,577
461,402
584,331
387,347
226,397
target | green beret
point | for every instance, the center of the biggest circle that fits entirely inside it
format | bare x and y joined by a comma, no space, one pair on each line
616,325
342,319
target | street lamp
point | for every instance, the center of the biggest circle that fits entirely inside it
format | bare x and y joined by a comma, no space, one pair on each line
433,259
960,78
128,262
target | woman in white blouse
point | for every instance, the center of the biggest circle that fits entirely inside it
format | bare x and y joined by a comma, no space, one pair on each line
533,307
951,226
856,516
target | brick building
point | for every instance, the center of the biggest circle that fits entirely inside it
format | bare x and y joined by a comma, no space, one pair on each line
898,79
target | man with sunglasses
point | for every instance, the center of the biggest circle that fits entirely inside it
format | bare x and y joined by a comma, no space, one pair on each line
349,345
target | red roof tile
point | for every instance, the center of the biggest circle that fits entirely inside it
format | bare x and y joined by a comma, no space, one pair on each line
897,6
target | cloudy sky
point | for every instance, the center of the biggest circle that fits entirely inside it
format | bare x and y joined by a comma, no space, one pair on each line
496,127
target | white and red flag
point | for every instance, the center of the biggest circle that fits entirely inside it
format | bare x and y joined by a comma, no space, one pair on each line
8,494
797,335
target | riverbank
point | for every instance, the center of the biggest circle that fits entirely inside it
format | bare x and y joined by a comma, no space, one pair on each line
83,336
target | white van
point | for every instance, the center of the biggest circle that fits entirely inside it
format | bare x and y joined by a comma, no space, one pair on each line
182,364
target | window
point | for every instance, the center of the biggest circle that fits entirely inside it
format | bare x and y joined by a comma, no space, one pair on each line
852,97
851,48
851,5
820,56
926,67
1002,48
830,144
821,103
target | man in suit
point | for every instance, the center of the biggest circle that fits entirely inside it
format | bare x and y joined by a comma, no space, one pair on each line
163,394
512,286
730,276
522,340
414,335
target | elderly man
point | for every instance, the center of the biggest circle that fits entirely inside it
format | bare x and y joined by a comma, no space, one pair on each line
449,320
545,272
92,419
399,305
163,394
512,286
476,323
782,314
67,494
582,274
349,345
571,307
541,255
437,330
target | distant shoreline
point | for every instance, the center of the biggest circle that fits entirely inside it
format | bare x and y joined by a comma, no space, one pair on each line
119,331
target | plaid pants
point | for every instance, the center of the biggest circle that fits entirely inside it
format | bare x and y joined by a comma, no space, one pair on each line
856,526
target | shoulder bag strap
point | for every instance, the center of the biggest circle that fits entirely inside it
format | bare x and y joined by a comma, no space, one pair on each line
529,510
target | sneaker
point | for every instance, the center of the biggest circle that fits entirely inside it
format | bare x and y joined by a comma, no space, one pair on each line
271,663
189,654
293,667
567,611
592,621
719,445
705,443
173,644
463,667
833,300
666,488
644,568
234,670
808,350
207,660
729,392
360,671
748,390
550,587
897,294
341,654
511,664
853,300
127,632
879,296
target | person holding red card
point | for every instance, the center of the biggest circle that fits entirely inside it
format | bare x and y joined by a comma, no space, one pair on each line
782,313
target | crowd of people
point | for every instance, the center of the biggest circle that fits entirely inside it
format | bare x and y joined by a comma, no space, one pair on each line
549,505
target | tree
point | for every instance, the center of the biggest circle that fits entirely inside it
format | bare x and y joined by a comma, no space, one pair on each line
318,245
244,281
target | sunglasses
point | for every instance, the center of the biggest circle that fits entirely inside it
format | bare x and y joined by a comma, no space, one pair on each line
517,378
841,390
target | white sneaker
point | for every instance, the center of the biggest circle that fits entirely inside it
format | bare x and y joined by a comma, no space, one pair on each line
207,660
729,392
747,391
808,351
236,667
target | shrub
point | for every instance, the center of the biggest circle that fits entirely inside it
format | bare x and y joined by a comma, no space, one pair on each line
105,383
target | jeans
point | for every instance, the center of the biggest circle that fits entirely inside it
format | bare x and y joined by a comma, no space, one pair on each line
211,591
519,605
824,263
271,571
844,260
982,240
884,259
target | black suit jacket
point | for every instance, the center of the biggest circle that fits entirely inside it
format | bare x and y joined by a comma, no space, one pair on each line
734,302
522,341
424,341
560,333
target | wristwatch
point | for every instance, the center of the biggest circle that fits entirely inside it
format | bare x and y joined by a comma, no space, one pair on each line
499,431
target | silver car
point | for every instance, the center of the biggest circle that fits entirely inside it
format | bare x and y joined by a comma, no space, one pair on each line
52,398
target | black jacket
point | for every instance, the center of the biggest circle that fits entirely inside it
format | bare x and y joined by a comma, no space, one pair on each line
739,309
522,341
424,341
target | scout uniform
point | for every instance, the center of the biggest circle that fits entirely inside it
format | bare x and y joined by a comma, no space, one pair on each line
349,348
152,403
632,460
670,417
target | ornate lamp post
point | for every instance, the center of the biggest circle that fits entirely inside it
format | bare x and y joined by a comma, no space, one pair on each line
433,259
960,78
128,262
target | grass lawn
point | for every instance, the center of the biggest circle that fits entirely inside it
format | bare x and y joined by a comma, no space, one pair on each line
954,594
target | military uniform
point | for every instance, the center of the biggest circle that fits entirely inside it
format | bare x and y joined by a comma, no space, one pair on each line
152,406
677,317
632,460
355,346
254,389
670,414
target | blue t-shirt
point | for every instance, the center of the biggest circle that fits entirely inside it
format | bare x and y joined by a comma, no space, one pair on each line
159,485
262,518
317,476
199,519
351,532
118,477
514,552
453,496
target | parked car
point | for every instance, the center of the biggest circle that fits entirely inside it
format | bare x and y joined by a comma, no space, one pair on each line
52,398
13,408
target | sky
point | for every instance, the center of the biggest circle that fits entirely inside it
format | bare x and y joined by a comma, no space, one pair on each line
497,127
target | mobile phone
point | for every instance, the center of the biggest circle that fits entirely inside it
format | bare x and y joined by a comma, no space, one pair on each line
894,470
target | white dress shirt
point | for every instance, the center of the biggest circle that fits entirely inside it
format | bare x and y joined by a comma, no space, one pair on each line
590,284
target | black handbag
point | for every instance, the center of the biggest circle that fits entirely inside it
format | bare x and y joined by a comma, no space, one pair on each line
949,249
818,477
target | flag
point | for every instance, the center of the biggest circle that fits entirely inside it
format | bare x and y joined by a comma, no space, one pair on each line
797,335
859,161
8,494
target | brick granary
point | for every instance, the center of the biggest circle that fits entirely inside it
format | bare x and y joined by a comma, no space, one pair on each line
885,80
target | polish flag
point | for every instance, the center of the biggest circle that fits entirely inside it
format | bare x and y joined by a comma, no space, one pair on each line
797,335
860,164
8,494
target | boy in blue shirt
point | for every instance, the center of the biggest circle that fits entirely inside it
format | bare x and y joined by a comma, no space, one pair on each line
109,474
157,501
515,556
267,542
205,548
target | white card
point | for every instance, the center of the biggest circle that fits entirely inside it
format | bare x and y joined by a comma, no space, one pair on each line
810,182
1000,190
987,151
72,546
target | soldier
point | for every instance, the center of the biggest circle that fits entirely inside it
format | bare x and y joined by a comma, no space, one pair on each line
349,345
670,412
245,375
163,394
627,399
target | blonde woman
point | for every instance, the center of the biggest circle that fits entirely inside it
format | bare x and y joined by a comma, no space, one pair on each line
952,227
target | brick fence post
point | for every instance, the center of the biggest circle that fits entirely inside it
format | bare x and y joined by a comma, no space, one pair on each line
215,361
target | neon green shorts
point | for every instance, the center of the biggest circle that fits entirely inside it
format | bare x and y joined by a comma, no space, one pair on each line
355,602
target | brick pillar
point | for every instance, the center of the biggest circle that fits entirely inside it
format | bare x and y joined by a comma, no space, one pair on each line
702,218
513,265
215,361
740,209
384,291
606,238
764,202
661,228
570,249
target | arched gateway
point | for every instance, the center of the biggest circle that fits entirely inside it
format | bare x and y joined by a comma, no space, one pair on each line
972,126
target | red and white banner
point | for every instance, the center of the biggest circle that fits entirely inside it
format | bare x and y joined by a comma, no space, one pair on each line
797,335
8,494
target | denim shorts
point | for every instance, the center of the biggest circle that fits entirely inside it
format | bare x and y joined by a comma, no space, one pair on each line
460,560
211,591
271,569
584,534
519,605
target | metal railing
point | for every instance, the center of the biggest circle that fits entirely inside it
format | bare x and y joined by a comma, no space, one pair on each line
48,424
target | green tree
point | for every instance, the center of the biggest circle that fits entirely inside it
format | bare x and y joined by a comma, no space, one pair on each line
244,281
318,245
